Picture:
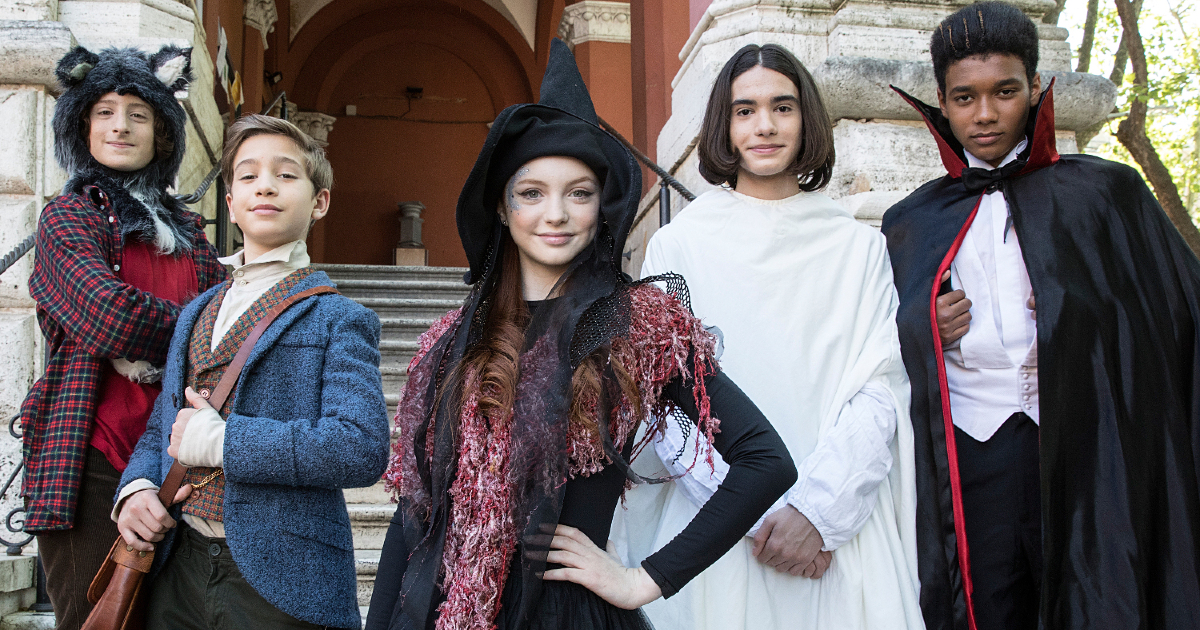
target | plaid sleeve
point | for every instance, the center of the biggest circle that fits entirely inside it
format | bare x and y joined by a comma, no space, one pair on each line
209,271
73,282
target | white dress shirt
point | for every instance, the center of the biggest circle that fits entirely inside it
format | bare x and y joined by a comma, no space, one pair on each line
992,370
203,442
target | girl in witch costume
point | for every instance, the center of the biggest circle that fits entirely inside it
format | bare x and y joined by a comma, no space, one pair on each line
521,409
117,256
803,296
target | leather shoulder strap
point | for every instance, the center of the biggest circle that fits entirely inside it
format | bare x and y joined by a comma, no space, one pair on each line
229,379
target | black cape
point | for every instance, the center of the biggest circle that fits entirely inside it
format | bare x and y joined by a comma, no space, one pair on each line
1118,300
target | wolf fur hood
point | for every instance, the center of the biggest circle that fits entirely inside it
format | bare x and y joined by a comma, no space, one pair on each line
141,198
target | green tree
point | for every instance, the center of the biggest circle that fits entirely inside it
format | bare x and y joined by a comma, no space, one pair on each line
1157,117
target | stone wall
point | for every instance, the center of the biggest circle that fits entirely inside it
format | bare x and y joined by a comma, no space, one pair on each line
855,51
28,177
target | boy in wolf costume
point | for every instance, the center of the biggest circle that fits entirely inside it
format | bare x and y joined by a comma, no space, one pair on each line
117,257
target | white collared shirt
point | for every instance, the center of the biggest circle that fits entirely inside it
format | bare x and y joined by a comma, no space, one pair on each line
252,279
992,371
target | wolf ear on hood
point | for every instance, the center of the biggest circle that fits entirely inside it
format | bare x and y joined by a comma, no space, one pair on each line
173,67
74,67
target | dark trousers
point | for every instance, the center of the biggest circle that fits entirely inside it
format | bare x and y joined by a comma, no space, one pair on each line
1003,516
73,556
201,588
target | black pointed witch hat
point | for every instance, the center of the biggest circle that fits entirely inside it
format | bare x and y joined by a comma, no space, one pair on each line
562,122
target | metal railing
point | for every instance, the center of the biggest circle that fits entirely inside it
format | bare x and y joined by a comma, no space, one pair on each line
17,252
665,179
14,521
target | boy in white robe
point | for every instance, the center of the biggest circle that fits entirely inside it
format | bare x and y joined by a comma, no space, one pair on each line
803,296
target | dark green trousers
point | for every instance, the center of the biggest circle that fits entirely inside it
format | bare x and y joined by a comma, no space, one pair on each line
201,588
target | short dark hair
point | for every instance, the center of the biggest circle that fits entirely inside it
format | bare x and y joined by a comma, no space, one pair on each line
984,28
719,160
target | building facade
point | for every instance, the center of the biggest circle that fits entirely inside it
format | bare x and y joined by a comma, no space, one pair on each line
403,92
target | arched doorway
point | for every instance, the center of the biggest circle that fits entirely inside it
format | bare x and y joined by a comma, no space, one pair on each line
413,86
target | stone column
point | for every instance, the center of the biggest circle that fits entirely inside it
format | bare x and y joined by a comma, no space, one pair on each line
411,250
29,176
259,17
854,51
599,33
315,124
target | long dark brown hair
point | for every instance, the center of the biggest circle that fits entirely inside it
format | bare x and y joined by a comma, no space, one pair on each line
719,160
496,357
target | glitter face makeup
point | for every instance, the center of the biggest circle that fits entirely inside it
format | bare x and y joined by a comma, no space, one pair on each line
552,209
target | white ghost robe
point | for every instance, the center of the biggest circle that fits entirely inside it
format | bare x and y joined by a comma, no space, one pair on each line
803,296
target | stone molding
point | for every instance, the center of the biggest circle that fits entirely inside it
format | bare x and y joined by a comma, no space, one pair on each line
595,21
30,51
315,124
261,15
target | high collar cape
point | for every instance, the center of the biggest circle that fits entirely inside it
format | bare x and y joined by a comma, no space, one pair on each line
1118,301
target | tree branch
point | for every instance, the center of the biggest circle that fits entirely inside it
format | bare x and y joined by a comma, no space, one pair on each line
1051,16
1132,131
1089,36
1121,59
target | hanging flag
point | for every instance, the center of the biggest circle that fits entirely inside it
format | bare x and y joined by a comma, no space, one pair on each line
231,79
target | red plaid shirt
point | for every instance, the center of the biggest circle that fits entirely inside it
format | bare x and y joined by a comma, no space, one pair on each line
88,315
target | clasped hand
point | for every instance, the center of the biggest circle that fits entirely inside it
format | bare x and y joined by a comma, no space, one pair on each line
954,313
600,571
143,519
182,418
788,543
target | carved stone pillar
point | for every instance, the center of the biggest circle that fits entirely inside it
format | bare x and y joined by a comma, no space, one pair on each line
260,15
595,21
315,124
854,51
599,33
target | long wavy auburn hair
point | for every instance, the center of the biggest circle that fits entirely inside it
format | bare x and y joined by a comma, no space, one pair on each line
492,366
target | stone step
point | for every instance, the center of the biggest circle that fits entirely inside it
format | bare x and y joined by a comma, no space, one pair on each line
369,523
393,272
405,328
394,377
366,564
372,495
397,354
355,288
409,308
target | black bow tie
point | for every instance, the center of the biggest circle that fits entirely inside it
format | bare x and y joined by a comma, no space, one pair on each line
976,179
988,181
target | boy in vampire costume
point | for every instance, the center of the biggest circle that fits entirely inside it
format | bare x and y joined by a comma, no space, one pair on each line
117,257
1047,320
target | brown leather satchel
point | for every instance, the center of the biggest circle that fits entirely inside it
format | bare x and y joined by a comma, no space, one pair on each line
118,591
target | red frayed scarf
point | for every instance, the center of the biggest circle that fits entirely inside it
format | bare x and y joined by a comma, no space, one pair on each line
664,342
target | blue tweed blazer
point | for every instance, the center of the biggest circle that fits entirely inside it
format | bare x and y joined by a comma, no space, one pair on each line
308,419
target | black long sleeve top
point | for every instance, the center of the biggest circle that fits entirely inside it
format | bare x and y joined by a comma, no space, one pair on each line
760,471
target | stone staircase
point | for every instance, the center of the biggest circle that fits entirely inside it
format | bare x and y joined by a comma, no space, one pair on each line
408,301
